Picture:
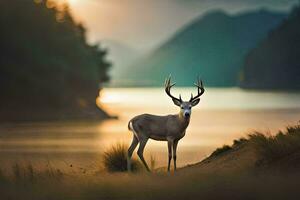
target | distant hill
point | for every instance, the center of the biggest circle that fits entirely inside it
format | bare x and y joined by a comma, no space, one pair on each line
212,46
275,62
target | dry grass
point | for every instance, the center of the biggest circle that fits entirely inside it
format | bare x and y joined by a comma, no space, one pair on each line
270,149
152,162
189,184
221,150
27,182
115,159
280,146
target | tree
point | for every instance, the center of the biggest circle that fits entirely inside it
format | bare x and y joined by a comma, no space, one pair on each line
47,68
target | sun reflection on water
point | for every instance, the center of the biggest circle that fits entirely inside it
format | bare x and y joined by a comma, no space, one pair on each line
222,115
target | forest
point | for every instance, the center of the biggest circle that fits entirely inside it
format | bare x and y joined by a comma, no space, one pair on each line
48,70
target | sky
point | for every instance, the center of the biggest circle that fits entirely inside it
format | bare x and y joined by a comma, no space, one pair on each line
144,24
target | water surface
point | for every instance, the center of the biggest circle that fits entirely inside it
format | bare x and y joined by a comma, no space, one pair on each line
221,116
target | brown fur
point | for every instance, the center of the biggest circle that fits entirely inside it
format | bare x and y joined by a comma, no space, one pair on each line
169,128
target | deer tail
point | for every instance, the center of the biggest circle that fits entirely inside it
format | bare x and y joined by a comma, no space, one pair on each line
130,125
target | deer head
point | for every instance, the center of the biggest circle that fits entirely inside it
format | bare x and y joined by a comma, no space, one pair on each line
185,106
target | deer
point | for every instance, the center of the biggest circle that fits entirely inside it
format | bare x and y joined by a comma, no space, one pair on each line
170,128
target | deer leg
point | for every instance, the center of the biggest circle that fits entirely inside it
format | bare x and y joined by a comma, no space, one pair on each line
170,143
174,153
133,145
140,152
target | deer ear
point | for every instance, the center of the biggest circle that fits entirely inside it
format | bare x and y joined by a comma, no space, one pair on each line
176,102
195,102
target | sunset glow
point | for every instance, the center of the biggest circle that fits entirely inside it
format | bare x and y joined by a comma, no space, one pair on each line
143,24
149,99
73,2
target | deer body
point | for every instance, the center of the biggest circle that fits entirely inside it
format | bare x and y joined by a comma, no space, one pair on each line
170,128
159,128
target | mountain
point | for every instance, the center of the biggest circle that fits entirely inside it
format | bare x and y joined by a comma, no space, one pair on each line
275,62
212,46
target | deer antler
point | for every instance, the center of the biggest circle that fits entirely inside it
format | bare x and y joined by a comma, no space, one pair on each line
168,87
200,89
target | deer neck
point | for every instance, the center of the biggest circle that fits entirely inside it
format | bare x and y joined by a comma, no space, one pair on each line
184,122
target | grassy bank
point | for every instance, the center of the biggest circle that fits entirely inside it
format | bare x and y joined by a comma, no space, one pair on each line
256,167
262,151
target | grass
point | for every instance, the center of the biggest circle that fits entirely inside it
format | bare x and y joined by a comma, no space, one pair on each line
27,182
152,162
270,148
280,146
183,185
29,174
115,159
221,150
238,142
227,148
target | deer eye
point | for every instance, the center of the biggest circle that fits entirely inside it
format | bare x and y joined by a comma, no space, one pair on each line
181,107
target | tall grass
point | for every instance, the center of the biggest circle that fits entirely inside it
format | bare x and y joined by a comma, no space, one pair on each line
28,174
29,183
270,148
221,150
226,148
190,184
152,162
115,159
277,147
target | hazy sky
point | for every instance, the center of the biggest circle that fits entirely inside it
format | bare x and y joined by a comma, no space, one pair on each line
143,24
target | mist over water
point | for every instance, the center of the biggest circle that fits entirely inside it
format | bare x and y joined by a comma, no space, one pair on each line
221,116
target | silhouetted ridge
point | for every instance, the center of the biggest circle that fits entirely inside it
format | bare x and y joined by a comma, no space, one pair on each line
212,46
275,62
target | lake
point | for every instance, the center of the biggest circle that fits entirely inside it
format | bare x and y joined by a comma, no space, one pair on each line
221,116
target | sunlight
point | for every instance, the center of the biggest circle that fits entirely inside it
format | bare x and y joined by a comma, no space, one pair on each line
107,97
73,2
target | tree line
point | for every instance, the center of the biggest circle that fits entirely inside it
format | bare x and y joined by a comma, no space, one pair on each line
46,64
